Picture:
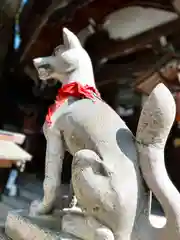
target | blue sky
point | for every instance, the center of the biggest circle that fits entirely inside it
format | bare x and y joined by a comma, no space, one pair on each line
17,38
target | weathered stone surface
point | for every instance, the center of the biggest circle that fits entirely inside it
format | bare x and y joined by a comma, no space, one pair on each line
107,159
20,226
3,236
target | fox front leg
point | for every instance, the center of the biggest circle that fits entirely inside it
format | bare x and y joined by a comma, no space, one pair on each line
85,227
53,169
72,200
100,189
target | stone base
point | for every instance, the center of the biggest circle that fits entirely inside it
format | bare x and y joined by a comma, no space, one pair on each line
3,236
20,226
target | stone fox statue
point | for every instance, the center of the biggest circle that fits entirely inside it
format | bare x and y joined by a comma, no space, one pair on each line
107,158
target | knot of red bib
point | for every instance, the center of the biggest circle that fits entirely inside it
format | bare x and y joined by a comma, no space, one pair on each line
73,89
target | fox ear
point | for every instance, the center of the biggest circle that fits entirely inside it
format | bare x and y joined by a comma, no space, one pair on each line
70,39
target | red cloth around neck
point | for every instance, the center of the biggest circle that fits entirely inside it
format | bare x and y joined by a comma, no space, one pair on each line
73,89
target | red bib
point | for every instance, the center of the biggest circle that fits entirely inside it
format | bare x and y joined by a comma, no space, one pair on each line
73,89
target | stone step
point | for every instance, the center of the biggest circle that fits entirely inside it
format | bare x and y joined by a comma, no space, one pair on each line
4,209
15,202
30,188
29,196
23,200
20,226
3,236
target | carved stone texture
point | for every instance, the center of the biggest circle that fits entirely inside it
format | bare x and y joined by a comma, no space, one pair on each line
19,226
4,237
107,158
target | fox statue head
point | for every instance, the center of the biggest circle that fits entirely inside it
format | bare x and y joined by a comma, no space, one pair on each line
68,63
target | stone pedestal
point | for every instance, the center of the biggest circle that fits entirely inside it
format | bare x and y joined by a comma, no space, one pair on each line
20,226
3,237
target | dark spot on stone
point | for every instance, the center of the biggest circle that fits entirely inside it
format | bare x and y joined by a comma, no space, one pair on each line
95,209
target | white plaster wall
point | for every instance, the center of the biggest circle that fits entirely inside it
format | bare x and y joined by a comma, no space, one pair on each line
131,21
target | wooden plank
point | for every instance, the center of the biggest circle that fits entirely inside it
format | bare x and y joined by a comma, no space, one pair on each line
12,136
9,150
149,84
160,72
5,163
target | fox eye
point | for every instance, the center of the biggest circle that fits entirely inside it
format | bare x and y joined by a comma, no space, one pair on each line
45,66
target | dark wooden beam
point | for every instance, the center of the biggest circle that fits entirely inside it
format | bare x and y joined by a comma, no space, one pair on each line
66,7
112,49
49,37
75,15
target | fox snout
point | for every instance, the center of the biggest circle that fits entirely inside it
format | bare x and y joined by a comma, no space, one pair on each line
44,67
37,60
43,62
